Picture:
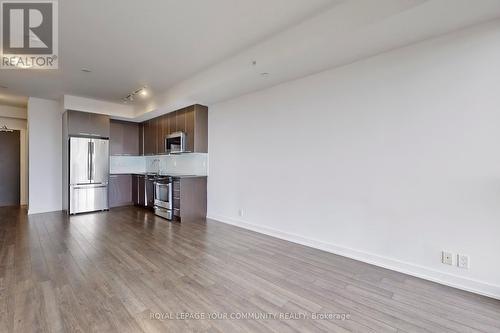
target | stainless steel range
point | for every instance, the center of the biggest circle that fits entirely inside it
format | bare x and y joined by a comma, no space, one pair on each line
163,197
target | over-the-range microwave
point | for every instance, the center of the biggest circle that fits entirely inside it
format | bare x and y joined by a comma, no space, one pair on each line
175,143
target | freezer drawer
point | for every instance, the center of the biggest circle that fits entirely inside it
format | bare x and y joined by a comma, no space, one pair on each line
165,213
88,198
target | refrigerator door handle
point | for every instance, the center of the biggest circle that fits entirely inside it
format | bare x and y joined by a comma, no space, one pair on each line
93,160
89,161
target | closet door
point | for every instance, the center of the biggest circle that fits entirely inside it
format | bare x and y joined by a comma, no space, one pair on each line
10,151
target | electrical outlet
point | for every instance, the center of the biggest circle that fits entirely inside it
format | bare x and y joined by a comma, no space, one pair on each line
447,258
463,261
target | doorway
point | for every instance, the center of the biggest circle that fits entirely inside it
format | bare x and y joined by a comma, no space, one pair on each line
10,167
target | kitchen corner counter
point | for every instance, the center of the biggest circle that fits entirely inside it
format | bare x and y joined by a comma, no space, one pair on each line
173,175
184,176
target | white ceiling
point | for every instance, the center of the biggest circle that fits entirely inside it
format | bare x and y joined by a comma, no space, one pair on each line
130,43
194,51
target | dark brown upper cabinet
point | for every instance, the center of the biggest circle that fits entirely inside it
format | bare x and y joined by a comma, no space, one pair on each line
124,138
197,123
141,139
163,131
190,129
192,120
150,143
87,124
180,120
172,122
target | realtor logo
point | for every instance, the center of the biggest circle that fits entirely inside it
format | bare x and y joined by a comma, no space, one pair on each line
29,35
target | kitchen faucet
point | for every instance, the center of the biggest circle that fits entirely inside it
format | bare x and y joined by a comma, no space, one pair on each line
157,162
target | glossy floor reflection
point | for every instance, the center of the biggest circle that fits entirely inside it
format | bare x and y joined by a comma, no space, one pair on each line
129,271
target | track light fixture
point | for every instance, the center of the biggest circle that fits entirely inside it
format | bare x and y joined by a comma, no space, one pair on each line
143,92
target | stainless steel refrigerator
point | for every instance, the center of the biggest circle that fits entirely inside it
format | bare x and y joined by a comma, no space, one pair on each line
88,174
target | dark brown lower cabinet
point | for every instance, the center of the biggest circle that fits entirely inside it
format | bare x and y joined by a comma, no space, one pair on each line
142,191
190,198
176,199
138,190
135,189
189,195
120,190
150,192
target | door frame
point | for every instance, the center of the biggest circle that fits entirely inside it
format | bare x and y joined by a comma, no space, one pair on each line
20,151
21,124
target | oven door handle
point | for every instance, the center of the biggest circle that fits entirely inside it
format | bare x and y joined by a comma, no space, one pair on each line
161,184
157,186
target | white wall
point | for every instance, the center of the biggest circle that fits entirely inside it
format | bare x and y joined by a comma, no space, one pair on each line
45,155
20,124
115,110
388,160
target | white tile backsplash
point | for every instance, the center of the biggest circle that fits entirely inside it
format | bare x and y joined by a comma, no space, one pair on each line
127,164
185,164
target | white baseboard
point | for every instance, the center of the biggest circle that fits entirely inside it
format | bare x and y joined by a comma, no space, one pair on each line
34,212
451,280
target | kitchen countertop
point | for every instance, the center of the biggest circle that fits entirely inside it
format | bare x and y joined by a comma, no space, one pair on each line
173,175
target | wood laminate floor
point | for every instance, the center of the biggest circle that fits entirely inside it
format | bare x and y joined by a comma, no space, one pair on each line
129,271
